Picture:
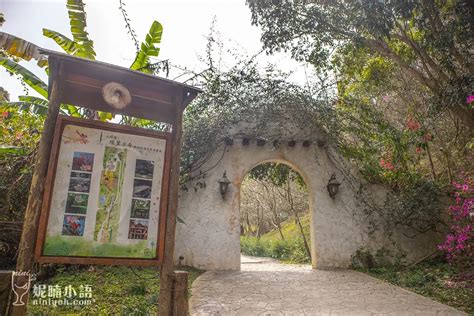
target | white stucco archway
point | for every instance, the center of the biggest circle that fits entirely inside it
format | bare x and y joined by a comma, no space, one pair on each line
209,238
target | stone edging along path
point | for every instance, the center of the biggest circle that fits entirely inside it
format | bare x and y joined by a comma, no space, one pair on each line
266,287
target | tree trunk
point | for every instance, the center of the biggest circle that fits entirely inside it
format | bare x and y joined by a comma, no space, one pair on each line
247,222
466,116
428,151
308,251
279,230
258,222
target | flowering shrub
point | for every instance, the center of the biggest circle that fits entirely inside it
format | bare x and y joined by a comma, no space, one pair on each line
459,243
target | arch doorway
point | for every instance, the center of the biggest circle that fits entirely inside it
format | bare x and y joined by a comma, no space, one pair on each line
275,213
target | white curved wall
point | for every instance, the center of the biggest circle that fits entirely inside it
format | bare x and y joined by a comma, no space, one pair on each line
210,237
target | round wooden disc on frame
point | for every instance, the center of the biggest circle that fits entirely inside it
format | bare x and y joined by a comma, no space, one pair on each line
116,95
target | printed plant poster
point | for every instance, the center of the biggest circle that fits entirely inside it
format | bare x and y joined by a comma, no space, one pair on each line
106,195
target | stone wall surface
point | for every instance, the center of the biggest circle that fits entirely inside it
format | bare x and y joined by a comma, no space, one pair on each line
209,238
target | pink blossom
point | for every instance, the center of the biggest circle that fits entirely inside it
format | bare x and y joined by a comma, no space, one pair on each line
386,164
460,241
427,137
413,124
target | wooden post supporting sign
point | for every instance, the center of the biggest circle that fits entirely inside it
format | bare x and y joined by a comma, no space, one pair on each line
166,272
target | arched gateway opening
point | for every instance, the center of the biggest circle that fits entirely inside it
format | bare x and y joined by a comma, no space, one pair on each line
275,213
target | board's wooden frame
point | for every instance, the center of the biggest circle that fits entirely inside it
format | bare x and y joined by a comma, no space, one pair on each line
49,187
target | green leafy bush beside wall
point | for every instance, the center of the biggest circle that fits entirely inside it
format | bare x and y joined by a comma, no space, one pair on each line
289,250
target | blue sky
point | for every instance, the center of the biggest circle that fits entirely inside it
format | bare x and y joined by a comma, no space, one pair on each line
185,24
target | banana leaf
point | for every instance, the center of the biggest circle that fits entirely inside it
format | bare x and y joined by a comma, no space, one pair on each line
77,22
21,48
68,45
36,105
28,77
148,48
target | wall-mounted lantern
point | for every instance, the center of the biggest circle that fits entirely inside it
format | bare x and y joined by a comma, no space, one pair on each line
224,184
333,186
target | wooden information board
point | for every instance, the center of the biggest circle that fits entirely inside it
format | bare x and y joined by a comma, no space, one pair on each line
106,193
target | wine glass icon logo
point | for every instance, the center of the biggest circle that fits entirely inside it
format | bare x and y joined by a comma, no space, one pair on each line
20,286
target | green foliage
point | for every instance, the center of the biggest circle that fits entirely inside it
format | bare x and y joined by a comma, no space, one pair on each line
19,134
430,41
115,290
61,246
11,150
366,259
416,206
81,46
288,250
276,173
68,45
261,100
148,48
18,47
27,76
29,103
434,279
77,21
270,245
290,229
4,95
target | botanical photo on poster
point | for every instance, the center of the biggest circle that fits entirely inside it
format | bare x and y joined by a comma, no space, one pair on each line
76,203
106,194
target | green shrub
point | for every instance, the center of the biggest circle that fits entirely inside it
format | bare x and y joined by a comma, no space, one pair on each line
252,246
289,250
